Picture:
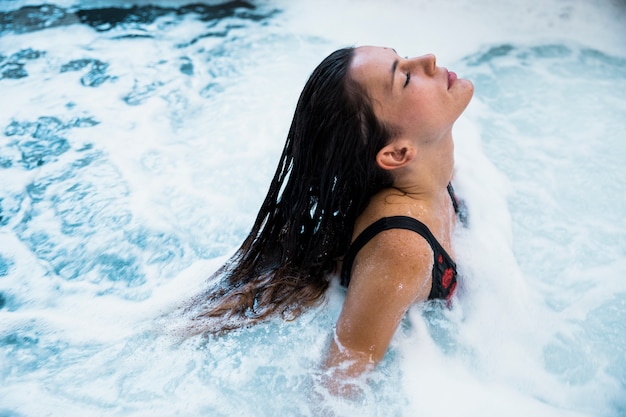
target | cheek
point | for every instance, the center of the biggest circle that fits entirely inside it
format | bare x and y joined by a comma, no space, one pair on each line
419,110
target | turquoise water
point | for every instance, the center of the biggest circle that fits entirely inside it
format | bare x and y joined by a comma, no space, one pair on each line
138,143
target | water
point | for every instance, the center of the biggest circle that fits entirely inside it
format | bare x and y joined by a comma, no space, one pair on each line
137,146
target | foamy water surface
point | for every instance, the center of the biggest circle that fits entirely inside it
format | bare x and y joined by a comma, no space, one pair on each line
138,143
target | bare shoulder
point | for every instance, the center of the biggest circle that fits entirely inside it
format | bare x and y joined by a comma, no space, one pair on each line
391,272
395,259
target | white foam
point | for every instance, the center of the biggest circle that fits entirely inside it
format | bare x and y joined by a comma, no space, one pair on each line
452,29
524,336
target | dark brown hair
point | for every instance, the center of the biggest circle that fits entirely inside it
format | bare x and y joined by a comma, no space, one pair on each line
325,178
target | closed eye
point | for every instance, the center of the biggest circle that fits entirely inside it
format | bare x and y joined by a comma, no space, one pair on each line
408,78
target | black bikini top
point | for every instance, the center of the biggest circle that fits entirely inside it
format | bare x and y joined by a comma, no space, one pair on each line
444,269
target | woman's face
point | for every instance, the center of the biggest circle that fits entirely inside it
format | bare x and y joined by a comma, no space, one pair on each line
412,95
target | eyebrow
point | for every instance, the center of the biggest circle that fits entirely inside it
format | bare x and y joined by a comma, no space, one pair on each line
394,66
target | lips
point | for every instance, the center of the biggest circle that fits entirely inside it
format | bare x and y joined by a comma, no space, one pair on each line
451,78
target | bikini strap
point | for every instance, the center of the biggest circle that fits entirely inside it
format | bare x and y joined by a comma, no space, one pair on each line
459,206
455,203
386,223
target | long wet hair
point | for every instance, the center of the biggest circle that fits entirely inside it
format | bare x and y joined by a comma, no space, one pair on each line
325,178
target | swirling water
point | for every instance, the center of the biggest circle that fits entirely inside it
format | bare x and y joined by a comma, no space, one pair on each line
137,144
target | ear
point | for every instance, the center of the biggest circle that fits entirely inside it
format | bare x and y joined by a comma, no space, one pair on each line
395,155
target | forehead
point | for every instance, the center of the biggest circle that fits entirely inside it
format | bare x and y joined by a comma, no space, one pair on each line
372,67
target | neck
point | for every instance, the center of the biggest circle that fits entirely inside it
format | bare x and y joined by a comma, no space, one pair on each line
430,171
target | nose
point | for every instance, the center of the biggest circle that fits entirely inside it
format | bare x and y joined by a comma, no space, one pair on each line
427,62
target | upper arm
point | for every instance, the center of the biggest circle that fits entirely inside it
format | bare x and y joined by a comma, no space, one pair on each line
390,273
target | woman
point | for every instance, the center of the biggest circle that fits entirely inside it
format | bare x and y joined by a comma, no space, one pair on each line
369,159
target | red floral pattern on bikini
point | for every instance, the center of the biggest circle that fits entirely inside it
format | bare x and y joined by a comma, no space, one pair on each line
446,279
